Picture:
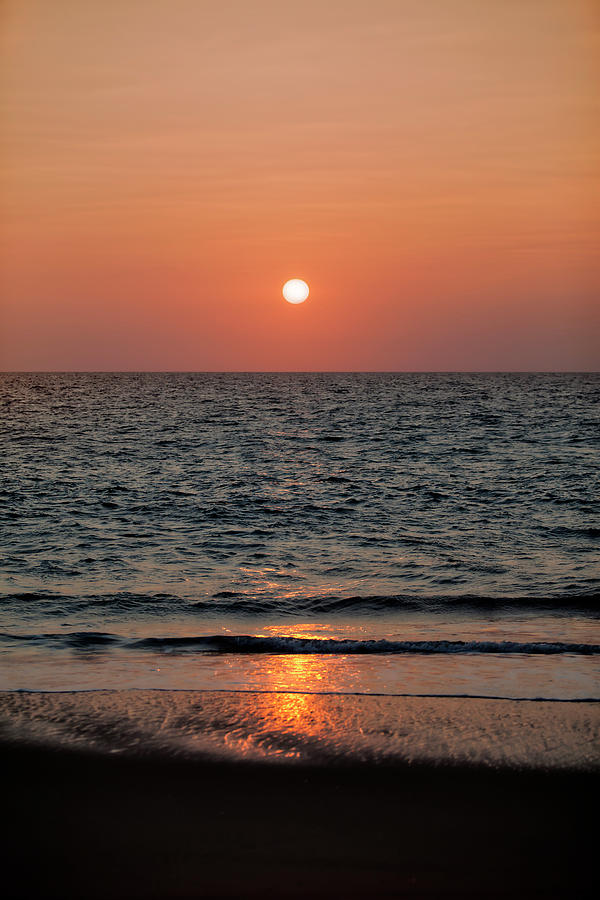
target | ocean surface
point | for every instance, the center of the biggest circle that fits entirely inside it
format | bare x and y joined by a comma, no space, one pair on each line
392,534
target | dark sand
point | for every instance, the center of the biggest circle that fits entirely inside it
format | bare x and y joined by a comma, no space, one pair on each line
87,826
154,794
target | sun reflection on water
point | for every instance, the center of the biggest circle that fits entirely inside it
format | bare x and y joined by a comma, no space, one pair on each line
281,723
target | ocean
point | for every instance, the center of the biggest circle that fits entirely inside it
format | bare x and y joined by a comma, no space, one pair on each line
374,535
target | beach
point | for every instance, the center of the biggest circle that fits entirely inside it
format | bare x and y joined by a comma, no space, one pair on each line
172,821
299,636
299,728
299,450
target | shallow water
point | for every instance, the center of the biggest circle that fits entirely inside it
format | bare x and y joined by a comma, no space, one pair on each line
443,527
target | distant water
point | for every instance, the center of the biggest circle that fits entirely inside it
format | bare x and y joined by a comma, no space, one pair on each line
388,533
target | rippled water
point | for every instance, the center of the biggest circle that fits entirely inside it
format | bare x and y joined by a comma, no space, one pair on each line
383,507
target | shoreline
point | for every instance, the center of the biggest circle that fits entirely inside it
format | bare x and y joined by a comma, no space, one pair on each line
309,728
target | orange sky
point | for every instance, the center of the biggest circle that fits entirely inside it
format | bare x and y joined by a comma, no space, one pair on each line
430,168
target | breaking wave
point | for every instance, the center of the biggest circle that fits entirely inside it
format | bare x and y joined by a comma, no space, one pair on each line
248,644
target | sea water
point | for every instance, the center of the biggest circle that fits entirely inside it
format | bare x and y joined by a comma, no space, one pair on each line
399,534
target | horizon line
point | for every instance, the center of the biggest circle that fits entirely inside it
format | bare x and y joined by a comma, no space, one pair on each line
299,371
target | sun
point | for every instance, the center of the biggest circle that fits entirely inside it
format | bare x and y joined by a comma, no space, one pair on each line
295,290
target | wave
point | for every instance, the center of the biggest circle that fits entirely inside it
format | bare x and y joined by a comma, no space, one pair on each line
256,644
279,645
240,604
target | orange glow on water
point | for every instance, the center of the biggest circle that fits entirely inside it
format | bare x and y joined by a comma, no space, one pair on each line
283,723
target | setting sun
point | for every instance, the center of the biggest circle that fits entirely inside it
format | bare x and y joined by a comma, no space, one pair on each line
295,290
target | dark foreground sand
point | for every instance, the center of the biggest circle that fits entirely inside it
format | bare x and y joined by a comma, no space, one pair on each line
90,824
84,826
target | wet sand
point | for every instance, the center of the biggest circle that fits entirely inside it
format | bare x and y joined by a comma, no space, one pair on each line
95,824
310,728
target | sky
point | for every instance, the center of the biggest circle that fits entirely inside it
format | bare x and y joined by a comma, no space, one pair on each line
429,168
